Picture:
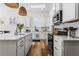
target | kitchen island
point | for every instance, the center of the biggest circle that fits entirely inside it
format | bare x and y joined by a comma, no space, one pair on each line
15,45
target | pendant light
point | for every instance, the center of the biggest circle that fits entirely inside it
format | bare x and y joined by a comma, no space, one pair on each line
22,11
12,5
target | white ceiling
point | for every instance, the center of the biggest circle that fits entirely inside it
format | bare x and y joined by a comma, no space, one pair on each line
47,8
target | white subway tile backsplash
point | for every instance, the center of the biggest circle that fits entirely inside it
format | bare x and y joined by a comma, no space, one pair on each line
75,25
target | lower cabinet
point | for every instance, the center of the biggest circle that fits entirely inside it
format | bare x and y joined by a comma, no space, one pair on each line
39,35
24,45
19,47
58,45
28,43
20,50
8,48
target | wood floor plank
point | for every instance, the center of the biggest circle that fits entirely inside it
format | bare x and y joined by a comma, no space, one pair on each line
39,48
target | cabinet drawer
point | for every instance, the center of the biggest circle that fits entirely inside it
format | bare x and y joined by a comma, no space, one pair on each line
57,43
20,42
57,51
56,48
20,50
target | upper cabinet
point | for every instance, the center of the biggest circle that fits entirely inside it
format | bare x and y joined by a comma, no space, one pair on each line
58,6
69,11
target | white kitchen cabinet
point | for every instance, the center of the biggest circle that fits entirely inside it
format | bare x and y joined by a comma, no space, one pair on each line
28,42
25,45
69,11
20,50
58,45
35,36
12,48
39,35
58,6
8,48
15,45
43,35
20,47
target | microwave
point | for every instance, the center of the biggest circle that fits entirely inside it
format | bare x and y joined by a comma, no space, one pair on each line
57,18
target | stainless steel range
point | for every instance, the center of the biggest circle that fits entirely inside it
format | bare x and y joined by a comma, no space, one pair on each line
50,44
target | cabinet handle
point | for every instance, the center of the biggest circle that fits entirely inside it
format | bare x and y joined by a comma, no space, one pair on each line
31,37
56,41
21,45
21,41
56,48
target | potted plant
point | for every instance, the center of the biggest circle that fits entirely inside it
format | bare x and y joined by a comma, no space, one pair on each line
20,27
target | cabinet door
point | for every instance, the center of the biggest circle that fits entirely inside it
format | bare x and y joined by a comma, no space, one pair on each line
36,36
58,45
28,42
20,50
20,47
7,48
42,35
58,6
68,11
56,52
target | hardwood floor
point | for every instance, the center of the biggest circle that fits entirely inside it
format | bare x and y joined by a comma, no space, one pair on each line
39,48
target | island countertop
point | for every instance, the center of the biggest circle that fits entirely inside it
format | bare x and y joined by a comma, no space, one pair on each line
11,36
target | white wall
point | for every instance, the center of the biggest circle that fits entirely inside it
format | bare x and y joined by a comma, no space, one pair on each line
11,14
51,14
43,17
41,20
6,11
6,14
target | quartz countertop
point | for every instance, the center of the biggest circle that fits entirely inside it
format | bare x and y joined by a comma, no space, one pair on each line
67,38
10,36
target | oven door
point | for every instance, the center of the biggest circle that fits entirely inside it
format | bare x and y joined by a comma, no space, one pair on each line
50,44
